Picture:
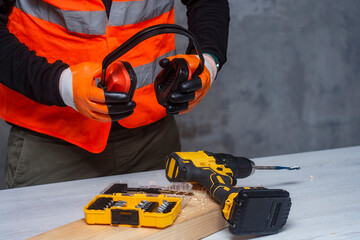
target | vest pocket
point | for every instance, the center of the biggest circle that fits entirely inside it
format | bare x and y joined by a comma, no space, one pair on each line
14,164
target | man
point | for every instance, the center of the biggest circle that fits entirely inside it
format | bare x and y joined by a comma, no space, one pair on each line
51,51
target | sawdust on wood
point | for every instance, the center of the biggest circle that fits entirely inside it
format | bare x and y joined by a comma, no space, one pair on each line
198,203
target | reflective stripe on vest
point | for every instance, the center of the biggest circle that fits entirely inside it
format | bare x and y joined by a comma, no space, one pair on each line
94,22
87,22
74,32
146,73
126,13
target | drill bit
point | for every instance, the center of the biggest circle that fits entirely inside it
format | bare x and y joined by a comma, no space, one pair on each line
276,168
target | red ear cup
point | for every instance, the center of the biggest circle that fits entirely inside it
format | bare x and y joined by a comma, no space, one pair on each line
170,78
119,76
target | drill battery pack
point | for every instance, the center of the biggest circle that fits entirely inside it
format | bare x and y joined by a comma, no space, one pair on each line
259,211
135,210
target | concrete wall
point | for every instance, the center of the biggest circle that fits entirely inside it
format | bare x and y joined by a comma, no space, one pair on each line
291,83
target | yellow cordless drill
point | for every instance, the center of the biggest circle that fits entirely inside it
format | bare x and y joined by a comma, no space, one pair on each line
248,210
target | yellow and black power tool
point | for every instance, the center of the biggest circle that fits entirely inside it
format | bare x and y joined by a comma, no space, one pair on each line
248,210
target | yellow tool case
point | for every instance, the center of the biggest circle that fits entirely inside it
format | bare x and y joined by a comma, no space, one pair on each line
136,210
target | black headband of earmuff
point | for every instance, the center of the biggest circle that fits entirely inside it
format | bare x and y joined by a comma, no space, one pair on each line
148,33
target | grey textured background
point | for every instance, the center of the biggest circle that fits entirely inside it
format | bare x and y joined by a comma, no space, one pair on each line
291,83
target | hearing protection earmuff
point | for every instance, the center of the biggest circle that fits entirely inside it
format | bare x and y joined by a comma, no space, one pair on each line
167,81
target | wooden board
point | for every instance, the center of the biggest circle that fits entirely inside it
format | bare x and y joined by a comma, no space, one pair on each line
201,217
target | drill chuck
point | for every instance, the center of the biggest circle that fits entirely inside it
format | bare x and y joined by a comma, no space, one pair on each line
241,167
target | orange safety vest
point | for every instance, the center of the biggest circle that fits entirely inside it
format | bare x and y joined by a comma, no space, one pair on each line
79,31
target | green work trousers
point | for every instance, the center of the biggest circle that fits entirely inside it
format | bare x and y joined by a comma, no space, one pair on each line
35,158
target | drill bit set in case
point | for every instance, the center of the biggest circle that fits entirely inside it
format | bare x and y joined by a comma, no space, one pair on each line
119,205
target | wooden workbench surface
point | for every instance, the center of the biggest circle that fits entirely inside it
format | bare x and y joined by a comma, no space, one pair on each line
325,195
199,218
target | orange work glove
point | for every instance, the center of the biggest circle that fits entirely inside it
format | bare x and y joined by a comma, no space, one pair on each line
191,92
78,90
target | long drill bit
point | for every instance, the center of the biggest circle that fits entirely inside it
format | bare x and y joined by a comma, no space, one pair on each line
276,168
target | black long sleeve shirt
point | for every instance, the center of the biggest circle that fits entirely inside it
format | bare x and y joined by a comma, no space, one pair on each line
33,76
